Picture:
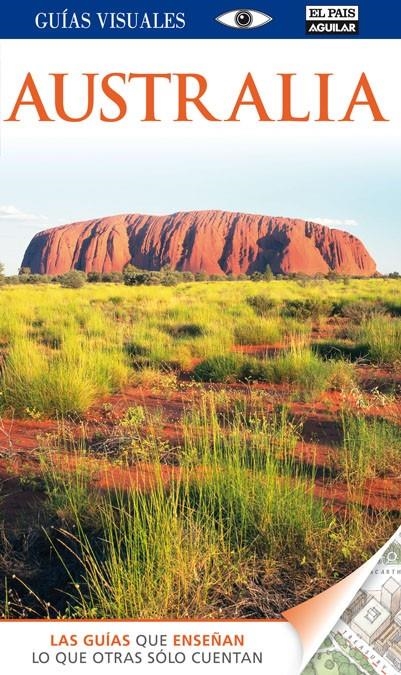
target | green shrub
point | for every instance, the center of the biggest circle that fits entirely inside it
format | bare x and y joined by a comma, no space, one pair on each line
256,276
134,349
185,330
311,308
341,350
188,277
262,305
219,368
359,310
201,276
258,332
257,370
73,279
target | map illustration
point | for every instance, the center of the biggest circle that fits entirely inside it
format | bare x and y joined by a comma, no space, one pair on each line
367,638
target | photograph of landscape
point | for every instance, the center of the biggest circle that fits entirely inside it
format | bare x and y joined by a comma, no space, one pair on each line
200,413
200,333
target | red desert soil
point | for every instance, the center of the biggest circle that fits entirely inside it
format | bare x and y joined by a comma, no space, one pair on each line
235,243
320,434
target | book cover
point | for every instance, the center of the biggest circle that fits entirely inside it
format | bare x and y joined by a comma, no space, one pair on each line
200,338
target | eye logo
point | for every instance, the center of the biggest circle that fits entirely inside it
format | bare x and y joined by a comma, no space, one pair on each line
244,19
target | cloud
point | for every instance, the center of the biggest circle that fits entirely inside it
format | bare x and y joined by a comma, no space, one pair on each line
335,222
10,212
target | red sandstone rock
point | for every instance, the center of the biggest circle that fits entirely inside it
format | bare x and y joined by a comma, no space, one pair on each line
215,242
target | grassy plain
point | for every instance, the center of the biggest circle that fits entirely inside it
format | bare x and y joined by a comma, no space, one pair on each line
212,449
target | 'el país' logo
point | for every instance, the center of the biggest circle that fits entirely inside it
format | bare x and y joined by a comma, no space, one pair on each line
332,19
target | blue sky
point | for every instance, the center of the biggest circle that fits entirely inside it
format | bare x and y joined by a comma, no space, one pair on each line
353,184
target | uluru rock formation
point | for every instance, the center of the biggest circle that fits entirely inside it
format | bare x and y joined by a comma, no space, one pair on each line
215,242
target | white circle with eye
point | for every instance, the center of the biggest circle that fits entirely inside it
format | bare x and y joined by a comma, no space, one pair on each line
244,18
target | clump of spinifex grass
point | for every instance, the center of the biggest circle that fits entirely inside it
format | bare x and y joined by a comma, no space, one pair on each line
218,432
68,474
383,338
222,368
310,374
375,340
255,331
63,381
298,365
371,447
